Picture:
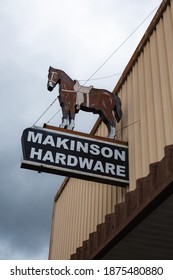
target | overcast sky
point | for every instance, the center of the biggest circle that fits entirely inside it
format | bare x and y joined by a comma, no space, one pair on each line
76,36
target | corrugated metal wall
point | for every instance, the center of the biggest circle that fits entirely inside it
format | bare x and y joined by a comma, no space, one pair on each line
147,126
81,206
147,98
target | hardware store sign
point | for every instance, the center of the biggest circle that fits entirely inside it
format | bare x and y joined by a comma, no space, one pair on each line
74,155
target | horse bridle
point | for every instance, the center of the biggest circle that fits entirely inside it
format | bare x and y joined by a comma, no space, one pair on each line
52,76
51,80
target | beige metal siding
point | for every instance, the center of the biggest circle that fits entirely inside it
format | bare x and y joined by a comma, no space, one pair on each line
147,126
81,206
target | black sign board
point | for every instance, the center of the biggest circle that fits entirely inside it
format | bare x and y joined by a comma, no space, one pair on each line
75,155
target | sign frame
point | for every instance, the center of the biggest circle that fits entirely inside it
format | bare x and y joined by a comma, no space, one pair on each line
98,144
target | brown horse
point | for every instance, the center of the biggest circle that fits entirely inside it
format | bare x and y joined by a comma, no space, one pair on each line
98,101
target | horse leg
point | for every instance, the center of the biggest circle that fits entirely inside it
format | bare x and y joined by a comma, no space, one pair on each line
111,123
112,132
65,123
71,124
72,120
65,117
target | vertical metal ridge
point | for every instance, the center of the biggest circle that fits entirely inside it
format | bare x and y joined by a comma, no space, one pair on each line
147,125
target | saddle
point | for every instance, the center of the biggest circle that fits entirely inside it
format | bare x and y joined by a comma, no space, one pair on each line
81,90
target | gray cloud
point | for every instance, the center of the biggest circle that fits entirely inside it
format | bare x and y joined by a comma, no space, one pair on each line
26,204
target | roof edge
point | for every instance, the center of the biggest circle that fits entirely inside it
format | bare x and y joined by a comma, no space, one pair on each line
141,45
150,192
137,52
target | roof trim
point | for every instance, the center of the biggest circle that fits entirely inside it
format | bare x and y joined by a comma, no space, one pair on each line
151,191
137,52
142,44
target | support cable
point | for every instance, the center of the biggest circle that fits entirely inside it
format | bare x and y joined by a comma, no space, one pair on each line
110,56
45,111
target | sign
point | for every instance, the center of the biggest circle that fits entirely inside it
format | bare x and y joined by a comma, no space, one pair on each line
76,155
73,97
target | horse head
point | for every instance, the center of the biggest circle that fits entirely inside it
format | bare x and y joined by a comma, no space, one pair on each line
53,78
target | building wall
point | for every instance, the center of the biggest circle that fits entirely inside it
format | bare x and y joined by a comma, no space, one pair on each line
146,91
80,207
147,98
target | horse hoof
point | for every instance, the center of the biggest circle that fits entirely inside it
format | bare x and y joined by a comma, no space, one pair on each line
62,126
113,137
70,127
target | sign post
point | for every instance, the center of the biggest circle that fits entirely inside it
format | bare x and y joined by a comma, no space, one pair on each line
75,154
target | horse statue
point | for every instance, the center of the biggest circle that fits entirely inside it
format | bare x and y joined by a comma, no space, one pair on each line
73,97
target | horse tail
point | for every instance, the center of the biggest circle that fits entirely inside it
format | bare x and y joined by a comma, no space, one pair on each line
117,109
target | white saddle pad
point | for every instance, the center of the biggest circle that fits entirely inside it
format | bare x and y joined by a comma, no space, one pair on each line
83,89
80,93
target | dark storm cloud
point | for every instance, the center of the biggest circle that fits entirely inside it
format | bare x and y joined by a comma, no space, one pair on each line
34,35
26,205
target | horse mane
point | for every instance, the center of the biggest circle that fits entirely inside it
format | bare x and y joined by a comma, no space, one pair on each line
64,75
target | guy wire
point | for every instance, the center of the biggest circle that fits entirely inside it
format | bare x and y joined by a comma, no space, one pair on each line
45,111
102,63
